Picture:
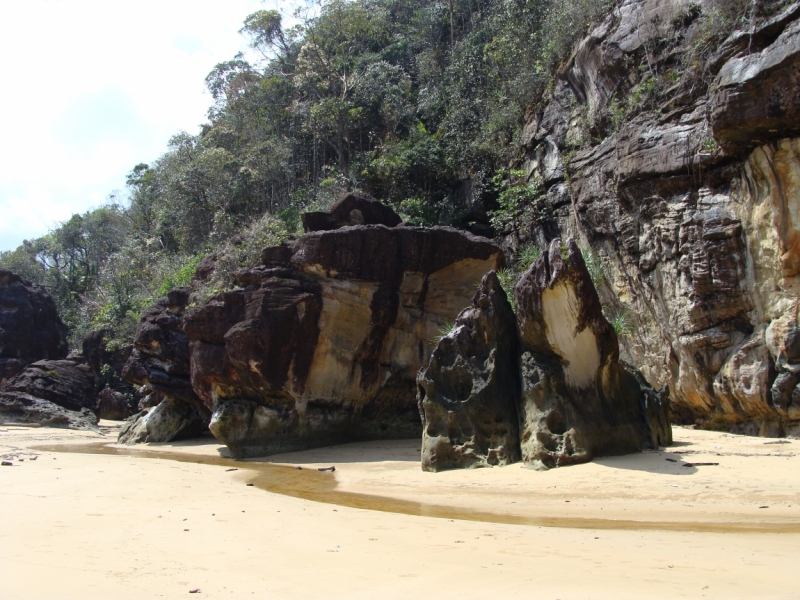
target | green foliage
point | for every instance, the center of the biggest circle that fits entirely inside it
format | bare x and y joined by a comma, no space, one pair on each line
594,265
526,256
240,252
508,279
518,199
444,330
621,322
709,146
371,95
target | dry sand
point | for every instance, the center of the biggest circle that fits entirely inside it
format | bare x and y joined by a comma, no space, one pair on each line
83,525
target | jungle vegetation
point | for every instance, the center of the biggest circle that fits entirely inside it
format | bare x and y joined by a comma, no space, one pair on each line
412,101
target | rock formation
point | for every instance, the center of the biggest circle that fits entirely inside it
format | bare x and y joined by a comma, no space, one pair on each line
159,364
469,391
57,393
692,204
351,209
24,409
170,420
546,385
322,343
112,405
30,328
577,401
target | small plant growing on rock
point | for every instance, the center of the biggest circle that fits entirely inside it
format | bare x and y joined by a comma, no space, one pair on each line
621,322
508,279
445,329
594,266
526,256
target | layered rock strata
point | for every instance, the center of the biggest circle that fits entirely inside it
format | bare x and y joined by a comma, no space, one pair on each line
30,328
322,343
692,204
469,390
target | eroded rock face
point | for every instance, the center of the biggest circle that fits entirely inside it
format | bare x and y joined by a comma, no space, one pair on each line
323,343
159,365
694,212
30,328
578,401
469,390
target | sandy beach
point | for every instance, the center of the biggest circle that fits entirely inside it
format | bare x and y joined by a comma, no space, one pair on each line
83,518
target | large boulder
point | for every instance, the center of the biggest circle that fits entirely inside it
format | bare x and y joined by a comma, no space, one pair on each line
52,393
30,328
159,366
67,383
20,408
168,421
577,401
112,405
468,392
322,344
352,208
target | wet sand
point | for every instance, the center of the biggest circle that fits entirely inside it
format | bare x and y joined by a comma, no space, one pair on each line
100,521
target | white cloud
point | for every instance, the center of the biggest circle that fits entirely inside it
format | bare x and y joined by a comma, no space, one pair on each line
91,88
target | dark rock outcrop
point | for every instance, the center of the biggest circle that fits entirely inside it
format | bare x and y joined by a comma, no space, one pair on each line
112,405
323,343
469,391
30,328
159,365
52,393
690,207
578,401
351,209
67,383
23,409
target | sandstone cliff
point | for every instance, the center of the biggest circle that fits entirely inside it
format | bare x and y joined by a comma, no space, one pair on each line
681,171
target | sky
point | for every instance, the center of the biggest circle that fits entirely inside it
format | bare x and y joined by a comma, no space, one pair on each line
91,88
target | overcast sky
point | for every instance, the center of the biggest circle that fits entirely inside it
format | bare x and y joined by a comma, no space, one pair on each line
91,88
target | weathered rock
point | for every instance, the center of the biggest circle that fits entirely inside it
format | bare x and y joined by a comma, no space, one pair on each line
30,328
24,409
323,344
469,390
351,209
112,405
758,95
159,364
170,420
578,402
692,211
67,383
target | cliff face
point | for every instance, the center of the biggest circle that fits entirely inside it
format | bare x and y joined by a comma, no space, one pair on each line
691,200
